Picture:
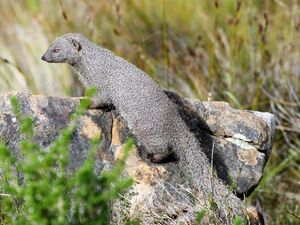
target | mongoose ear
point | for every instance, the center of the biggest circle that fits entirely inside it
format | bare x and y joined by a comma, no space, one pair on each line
76,44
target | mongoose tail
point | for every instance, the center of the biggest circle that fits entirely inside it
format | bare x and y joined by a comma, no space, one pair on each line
150,115
215,192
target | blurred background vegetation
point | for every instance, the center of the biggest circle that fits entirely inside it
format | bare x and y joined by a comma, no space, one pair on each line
245,52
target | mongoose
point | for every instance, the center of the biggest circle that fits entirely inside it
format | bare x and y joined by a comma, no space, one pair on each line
150,115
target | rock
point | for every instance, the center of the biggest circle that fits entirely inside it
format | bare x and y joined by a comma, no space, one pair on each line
240,140
50,115
237,142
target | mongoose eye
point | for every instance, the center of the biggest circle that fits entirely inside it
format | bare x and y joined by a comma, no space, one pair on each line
56,50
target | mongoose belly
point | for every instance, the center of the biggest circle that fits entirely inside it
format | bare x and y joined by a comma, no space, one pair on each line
154,123
150,115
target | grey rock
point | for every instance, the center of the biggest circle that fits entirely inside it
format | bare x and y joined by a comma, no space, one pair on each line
237,142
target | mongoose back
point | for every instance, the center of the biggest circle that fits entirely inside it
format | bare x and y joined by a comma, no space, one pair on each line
150,115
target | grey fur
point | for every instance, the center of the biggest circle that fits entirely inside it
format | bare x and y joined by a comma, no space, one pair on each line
149,113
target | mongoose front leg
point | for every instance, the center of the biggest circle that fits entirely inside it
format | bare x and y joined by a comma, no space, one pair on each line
101,101
103,106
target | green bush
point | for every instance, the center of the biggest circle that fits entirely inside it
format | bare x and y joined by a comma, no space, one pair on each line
44,192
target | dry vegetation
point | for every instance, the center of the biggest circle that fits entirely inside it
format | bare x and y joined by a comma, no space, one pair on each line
244,52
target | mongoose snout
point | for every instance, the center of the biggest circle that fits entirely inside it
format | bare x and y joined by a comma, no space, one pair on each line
43,58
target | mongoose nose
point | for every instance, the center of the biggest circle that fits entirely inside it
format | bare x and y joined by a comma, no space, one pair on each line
43,57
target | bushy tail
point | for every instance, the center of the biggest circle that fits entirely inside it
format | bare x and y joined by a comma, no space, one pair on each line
195,164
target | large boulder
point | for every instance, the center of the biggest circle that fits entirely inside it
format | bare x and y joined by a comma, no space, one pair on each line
236,142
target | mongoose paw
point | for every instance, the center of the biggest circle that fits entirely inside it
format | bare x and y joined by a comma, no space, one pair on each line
161,158
155,158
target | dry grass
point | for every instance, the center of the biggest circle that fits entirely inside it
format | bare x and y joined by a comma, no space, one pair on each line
245,52
169,204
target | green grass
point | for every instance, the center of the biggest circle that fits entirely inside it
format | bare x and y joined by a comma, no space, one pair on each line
244,52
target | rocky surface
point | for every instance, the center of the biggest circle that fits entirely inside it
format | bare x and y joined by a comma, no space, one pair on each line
238,143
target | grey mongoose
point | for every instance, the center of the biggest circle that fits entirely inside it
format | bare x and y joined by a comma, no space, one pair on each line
150,115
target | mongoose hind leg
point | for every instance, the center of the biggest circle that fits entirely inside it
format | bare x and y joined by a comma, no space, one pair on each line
162,158
159,154
156,157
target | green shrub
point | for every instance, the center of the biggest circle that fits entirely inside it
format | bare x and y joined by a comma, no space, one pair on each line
44,192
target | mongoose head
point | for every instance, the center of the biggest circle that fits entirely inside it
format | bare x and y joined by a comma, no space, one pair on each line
64,49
